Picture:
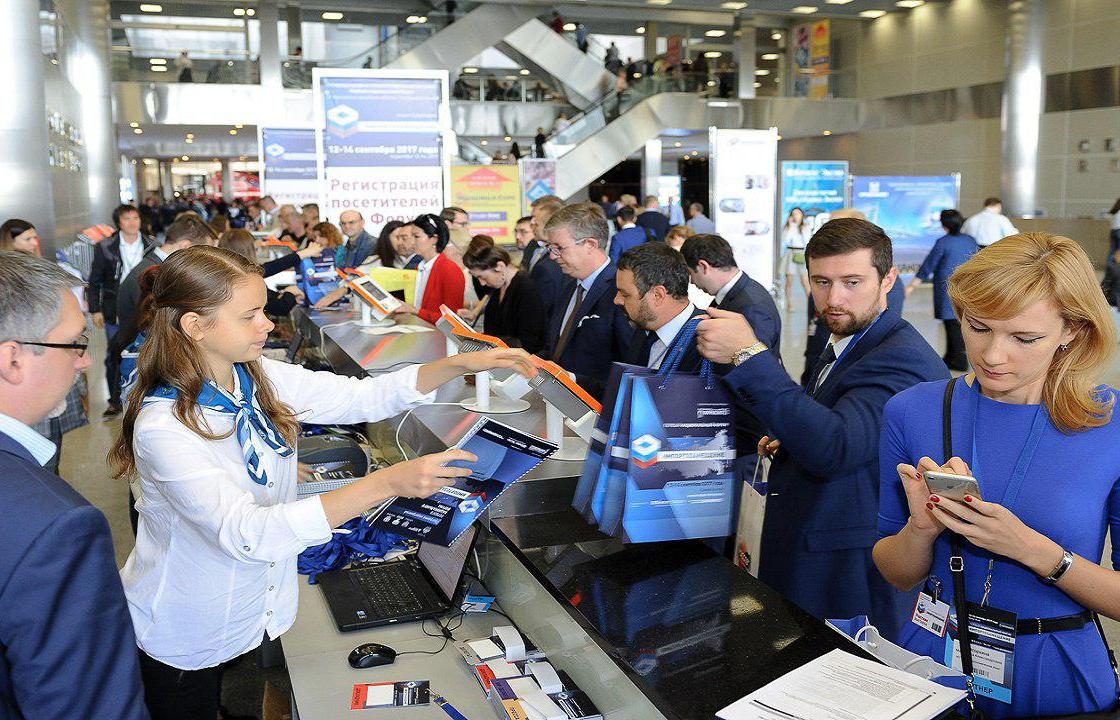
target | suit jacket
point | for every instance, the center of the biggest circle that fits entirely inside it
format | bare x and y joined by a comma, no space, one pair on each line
67,648
356,250
657,223
601,334
823,502
519,317
128,294
105,275
446,285
625,239
546,275
690,363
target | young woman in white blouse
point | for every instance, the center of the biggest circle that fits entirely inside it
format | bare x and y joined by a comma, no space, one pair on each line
210,432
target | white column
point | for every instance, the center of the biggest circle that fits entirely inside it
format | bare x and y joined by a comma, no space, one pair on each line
1022,107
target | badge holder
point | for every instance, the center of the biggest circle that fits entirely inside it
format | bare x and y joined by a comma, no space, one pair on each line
567,405
461,338
375,306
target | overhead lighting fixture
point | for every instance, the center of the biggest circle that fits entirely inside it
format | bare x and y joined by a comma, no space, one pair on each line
239,12
422,19
659,2
523,71
715,33
157,61
190,135
134,124
507,138
470,70
910,3
779,137
640,31
232,132
250,12
158,68
186,158
416,19
837,2
484,142
137,131
239,126
775,35
758,84
569,27
713,54
761,71
676,144
241,158
332,16
189,141
151,8
771,56
733,5
711,83
804,10
826,132
873,13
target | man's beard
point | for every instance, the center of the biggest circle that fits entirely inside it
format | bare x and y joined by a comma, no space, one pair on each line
850,324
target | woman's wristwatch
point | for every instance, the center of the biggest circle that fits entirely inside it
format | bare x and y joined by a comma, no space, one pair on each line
1060,569
747,353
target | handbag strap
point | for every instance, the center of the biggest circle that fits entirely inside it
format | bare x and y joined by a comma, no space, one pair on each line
675,354
956,560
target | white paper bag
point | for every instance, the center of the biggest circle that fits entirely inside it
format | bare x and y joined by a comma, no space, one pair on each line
752,511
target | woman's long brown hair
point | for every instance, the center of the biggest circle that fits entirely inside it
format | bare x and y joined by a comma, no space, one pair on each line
199,279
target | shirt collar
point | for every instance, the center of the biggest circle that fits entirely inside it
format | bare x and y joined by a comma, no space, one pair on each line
426,264
722,292
839,346
40,448
628,225
161,253
588,281
669,330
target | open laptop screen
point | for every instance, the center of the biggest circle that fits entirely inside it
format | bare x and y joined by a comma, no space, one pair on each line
446,565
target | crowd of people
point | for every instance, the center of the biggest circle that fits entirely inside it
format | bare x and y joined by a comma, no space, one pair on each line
208,428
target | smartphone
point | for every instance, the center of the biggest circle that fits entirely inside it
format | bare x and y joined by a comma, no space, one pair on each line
951,486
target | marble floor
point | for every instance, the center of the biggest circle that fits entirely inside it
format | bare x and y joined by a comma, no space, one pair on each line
84,450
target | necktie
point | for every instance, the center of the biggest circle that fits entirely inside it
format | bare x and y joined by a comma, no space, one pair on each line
647,346
527,258
827,358
569,324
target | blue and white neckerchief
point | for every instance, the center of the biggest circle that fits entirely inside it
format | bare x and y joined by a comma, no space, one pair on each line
242,404
129,356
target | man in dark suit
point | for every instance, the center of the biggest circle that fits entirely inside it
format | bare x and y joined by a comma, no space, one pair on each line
629,234
823,500
653,220
113,259
359,243
67,648
535,259
652,290
588,332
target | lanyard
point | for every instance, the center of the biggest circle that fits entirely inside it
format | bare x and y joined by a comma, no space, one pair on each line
1018,473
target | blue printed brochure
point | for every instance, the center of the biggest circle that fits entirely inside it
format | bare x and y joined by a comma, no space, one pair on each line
505,455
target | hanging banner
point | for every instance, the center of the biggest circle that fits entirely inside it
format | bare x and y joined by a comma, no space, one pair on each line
812,58
383,139
817,188
491,195
538,178
743,201
289,170
908,208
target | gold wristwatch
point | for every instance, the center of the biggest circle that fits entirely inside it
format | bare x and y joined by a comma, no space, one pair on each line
747,353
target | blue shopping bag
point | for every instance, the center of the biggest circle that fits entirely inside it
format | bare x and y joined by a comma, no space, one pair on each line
606,426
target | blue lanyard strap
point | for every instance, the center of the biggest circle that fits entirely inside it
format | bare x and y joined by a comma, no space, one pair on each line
1019,473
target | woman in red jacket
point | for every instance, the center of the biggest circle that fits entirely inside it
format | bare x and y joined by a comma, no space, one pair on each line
439,281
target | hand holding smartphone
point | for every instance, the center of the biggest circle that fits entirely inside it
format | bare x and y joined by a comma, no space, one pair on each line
950,485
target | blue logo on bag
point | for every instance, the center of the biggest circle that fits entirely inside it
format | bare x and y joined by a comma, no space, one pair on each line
644,450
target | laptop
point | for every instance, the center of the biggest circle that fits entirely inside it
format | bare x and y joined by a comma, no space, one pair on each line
417,587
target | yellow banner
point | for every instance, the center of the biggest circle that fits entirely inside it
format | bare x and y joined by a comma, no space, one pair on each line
392,279
491,195
820,54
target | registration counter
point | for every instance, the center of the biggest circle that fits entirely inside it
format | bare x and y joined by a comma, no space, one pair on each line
660,630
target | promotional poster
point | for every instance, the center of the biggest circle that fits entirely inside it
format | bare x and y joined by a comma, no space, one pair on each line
817,187
383,143
908,208
492,196
538,178
744,189
289,170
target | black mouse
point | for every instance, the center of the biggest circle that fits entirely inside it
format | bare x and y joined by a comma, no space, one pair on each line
372,655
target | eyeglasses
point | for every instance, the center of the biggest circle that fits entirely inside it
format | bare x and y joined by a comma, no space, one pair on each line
79,346
558,250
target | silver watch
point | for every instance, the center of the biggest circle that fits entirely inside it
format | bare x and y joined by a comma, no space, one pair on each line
747,353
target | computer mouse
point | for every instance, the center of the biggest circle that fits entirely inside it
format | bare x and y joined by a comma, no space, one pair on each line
372,655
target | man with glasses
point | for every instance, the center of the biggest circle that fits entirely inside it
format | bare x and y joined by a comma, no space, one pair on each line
588,331
359,244
66,638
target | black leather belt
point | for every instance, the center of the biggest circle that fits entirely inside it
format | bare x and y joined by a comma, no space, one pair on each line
1038,626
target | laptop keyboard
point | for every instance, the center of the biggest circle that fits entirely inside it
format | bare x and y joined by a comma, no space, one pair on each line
389,593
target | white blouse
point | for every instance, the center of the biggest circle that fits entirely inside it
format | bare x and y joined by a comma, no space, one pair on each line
214,566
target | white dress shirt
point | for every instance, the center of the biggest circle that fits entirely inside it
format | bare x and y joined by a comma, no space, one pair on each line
214,566
838,348
40,448
665,335
987,227
423,270
586,284
722,292
131,254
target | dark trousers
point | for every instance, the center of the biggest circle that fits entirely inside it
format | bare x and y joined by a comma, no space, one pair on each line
112,366
174,694
955,356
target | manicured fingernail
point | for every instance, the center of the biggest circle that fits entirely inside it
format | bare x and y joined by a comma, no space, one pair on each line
968,498
929,506
934,498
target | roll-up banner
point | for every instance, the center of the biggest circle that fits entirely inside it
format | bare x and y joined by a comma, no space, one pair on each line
491,195
743,165
538,178
909,209
384,143
289,170
816,187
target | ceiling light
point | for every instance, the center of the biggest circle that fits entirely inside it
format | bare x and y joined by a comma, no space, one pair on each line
484,142
570,27
158,61
507,138
761,71
910,3
713,54
658,2
332,16
837,2
137,131
676,144
151,8
775,35
239,126
186,157
758,84
421,19
190,135
250,12
470,70
158,68
779,137
715,33
873,14
770,56
523,71
239,11
826,132
804,9
232,132
640,31
412,19
188,141
733,5
711,83
134,124
511,77
241,158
